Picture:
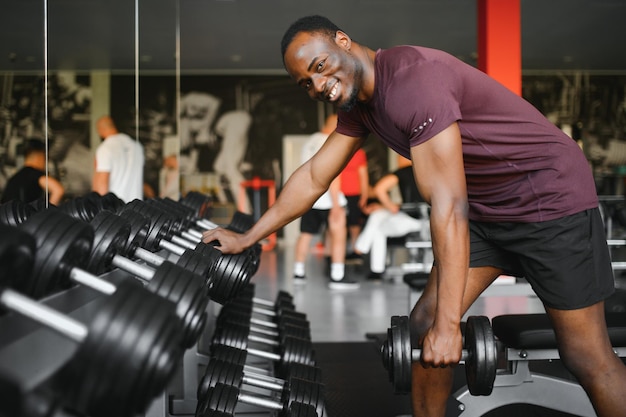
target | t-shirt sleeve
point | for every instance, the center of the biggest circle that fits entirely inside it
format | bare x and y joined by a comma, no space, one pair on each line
350,124
103,159
424,100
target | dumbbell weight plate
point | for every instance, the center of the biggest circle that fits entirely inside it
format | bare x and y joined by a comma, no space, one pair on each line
16,257
400,354
63,240
111,235
173,282
131,352
480,369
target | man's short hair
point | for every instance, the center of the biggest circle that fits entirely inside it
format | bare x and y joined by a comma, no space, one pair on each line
34,145
313,23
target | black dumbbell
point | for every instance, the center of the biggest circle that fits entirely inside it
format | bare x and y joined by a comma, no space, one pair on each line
128,353
230,273
222,372
64,251
200,203
289,350
223,398
181,224
218,370
263,334
17,250
479,355
15,212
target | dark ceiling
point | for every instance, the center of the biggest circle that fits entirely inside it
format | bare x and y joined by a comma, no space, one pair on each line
230,36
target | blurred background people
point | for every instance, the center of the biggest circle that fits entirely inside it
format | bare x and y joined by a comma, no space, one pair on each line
118,164
30,182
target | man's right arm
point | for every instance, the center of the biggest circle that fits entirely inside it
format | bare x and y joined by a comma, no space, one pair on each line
301,190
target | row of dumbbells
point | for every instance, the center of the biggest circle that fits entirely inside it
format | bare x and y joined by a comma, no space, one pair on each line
249,332
131,348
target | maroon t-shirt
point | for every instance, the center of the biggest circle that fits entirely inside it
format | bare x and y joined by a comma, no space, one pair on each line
519,166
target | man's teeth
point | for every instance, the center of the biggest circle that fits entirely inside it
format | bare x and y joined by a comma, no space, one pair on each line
333,91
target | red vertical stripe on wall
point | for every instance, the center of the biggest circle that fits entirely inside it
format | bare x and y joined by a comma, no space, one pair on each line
500,41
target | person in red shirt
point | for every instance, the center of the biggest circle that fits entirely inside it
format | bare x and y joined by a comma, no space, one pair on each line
355,186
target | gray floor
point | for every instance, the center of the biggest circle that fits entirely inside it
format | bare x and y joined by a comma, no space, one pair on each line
347,316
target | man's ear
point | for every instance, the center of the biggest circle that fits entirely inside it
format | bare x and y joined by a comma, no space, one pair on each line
343,40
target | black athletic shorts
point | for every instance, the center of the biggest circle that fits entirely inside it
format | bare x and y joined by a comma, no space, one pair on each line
566,261
354,216
313,220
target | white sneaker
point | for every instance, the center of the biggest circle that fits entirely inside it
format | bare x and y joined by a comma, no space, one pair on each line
343,284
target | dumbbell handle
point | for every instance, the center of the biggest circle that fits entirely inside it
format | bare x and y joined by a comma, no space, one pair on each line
261,402
67,326
416,355
144,272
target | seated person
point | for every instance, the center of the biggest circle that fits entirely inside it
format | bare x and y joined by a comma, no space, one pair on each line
30,182
385,218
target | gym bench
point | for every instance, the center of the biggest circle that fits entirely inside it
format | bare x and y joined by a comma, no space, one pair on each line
523,338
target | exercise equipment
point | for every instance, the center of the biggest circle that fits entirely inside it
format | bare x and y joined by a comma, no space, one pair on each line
17,250
526,339
15,212
231,373
479,355
289,350
127,354
301,396
64,252
230,273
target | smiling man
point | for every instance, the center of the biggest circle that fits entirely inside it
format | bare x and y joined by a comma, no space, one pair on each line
509,193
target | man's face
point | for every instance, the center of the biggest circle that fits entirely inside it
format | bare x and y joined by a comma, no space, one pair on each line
324,68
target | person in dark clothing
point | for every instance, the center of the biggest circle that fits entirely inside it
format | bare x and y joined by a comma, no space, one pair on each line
509,193
30,183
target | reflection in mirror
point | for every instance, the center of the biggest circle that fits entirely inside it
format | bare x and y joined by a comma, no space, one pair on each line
87,42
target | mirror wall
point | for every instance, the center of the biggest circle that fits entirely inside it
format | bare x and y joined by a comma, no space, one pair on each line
122,62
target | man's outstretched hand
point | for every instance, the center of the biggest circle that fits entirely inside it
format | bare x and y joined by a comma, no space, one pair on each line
227,241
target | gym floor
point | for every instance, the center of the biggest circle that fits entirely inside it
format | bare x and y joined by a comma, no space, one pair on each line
345,326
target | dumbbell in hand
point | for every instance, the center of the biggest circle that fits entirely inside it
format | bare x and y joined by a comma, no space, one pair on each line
479,355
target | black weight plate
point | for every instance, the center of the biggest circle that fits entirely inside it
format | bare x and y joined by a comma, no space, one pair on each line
188,292
295,350
228,353
111,202
15,212
304,372
131,353
222,398
301,410
480,367
139,230
306,392
110,236
62,243
241,222
232,335
196,263
400,354
17,250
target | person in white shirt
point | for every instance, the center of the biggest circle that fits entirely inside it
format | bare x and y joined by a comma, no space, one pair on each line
330,209
119,163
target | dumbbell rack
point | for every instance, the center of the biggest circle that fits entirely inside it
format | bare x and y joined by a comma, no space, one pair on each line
32,353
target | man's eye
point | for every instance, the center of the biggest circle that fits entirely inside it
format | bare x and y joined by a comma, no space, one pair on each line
320,65
307,85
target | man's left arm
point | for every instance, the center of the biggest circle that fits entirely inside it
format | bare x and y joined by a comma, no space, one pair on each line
440,176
